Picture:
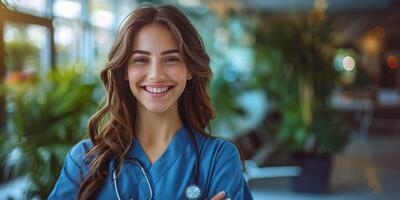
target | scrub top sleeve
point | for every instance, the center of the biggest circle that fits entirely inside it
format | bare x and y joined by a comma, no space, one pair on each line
67,185
227,174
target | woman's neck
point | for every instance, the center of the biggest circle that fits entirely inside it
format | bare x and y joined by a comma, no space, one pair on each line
157,128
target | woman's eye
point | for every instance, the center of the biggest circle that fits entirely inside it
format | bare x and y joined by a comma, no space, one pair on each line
140,60
171,60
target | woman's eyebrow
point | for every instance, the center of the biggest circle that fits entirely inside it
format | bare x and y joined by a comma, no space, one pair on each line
162,53
170,51
140,52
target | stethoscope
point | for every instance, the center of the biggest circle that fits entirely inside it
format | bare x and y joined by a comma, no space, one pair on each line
192,192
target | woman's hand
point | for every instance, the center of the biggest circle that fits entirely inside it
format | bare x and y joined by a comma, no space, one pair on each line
219,196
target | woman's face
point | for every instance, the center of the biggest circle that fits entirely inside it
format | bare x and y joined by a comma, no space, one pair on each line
157,73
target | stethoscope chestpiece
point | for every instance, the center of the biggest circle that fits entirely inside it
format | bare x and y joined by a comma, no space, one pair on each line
193,192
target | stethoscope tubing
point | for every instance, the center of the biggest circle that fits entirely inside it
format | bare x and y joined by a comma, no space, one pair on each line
140,165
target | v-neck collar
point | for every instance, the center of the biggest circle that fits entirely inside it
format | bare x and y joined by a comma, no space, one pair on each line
175,148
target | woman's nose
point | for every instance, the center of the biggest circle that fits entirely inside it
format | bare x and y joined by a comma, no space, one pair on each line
156,72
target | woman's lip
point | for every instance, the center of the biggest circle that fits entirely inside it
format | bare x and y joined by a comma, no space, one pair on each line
156,94
156,86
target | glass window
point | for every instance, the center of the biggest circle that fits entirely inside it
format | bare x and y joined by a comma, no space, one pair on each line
103,41
71,9
27,52
26,58
34,7
68,38
102,14
124,9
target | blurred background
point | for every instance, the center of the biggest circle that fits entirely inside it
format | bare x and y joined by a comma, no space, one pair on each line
308,89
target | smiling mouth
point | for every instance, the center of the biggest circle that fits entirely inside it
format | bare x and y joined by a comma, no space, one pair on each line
157,90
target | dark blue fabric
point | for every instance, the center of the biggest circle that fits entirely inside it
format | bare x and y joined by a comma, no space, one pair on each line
219,170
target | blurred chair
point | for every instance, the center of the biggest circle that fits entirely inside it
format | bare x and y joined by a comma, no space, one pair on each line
255,148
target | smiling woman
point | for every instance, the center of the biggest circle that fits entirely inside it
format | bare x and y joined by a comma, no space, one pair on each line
151,139
156,72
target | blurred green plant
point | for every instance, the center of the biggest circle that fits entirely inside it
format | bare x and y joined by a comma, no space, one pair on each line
45,118
18,52
224,98
295,67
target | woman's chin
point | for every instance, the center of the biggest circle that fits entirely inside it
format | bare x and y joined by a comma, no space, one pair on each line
156,108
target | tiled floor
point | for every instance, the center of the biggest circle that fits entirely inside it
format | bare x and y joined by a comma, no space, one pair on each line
369,168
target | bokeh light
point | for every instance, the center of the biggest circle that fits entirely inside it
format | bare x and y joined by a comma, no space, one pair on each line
67,9
348,63
392,62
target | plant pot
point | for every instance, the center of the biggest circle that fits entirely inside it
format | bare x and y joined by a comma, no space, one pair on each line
315,174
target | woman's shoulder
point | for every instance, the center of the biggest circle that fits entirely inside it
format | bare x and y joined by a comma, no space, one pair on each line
79,151
218,145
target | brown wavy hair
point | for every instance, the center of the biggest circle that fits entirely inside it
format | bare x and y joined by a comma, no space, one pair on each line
112,127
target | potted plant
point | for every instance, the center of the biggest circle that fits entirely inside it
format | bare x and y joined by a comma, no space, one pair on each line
294,62
45,117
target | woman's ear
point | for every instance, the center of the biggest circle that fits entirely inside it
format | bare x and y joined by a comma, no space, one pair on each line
189,76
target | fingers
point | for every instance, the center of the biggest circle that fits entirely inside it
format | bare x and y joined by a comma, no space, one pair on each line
219,196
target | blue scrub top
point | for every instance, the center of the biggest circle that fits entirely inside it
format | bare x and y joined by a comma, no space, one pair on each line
219,170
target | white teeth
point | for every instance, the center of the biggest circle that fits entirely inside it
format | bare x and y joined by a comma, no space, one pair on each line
156,90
